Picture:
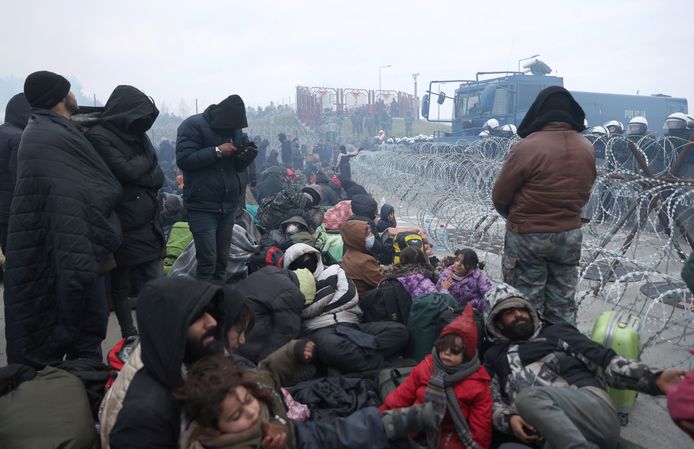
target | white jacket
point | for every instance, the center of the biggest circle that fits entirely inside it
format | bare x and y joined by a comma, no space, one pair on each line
336,301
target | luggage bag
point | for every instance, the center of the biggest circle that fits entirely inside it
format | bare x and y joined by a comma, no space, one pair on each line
619,331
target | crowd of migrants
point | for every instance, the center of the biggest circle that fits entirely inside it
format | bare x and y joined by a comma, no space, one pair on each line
310,320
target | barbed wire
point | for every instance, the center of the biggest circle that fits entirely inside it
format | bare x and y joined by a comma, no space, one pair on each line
639,216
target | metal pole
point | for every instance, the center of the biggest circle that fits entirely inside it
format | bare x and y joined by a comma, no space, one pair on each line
416,100
379,80
380,67
196,106
438,106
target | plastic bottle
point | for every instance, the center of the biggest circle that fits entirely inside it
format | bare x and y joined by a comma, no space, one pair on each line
441,238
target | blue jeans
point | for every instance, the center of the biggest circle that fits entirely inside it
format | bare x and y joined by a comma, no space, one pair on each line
212,236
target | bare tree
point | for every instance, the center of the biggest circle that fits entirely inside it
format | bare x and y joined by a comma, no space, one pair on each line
183,109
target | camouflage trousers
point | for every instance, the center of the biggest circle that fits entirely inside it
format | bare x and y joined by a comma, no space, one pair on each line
543,266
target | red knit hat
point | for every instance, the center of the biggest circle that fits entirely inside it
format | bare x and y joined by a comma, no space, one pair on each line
465,327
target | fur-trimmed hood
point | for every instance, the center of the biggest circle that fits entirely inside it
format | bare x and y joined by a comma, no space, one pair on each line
503,297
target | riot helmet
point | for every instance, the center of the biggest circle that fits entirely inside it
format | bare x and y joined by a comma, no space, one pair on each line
508,130
599,131
638,126
491,124
678,125
678,120
614,127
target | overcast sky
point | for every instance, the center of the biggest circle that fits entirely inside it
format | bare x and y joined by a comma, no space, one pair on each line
262,50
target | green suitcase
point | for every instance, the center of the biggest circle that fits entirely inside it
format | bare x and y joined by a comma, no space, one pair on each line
619,331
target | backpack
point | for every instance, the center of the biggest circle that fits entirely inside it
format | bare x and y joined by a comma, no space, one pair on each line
330,246
389,301
117,357
277,208
337,215
389,379
423,324
93,375
405,239
266,254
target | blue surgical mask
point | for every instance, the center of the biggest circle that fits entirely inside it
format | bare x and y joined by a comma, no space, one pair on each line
370,240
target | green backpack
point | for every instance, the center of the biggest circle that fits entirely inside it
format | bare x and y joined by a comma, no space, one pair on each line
423,323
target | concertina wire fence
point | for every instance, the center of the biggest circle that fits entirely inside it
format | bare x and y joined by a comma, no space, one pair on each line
638,233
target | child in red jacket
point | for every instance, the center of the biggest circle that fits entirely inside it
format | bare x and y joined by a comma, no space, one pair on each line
452,379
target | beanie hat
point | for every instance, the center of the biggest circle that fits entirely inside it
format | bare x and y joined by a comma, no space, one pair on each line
45,89
465,327
503,297
307,284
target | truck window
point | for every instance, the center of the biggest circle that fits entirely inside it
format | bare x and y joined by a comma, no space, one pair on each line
526,95
467,104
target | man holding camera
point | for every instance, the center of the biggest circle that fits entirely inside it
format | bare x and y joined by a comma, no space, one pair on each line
211,151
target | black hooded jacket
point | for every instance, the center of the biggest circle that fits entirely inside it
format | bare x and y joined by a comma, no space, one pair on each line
287,159
62,227
17,115
211,183
150,417
132,159
383,222
274,296
553,104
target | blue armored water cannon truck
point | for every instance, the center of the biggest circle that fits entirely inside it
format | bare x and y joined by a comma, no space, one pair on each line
507,96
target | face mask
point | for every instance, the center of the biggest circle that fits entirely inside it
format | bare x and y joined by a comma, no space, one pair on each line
370,240
292,229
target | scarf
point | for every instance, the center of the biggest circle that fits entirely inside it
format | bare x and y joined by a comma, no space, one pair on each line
440,393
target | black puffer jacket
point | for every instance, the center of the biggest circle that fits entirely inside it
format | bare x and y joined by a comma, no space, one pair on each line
211,183
150,417
17,115
62,227
274,296
132,159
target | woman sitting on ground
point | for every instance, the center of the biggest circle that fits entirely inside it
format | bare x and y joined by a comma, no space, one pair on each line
465,280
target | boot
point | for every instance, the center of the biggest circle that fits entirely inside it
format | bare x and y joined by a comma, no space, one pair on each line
400,422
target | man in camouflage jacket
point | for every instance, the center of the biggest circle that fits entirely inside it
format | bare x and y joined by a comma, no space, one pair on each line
549,380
